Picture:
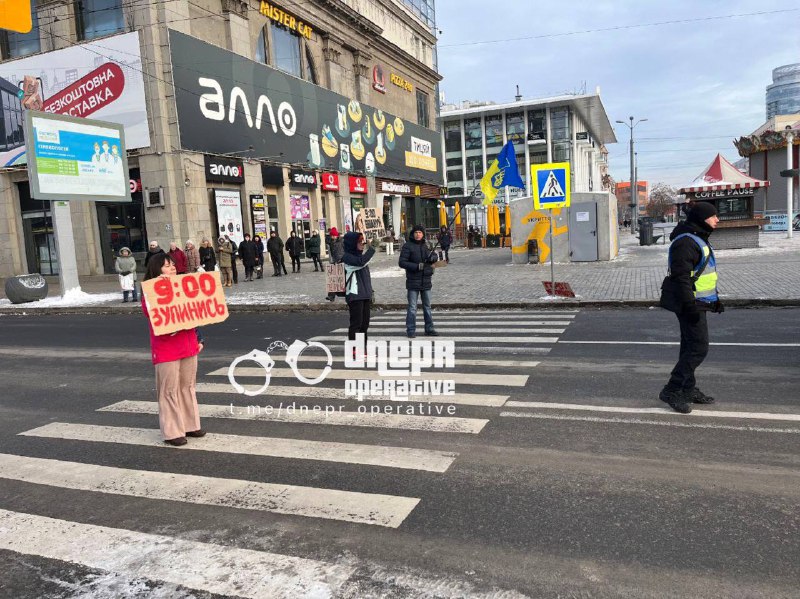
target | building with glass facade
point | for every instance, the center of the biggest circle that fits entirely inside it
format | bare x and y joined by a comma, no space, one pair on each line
424,9
783,95
572,129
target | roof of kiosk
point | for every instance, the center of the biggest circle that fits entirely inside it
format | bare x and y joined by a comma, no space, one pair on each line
722,175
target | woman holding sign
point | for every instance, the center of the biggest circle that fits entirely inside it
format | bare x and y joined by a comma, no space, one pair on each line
175,360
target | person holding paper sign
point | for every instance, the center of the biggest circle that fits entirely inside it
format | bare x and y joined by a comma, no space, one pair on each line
175,360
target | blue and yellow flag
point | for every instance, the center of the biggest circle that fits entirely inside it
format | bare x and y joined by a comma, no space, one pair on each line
502,172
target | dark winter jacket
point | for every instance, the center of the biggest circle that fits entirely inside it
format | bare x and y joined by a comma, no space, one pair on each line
179,258
416,258
275,247
259,251
358,282
336,250
208,259
685,255
314,245
235,249
150,254
445,239
225,255
294,246
248,252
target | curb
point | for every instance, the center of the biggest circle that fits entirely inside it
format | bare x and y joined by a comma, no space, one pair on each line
21,310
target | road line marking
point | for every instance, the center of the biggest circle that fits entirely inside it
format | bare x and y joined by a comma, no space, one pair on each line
459,362
663,411
757,429
498,313
433,424
200,566
312,502
678,343
460,399
343,453
492,380
482,340
489,321
455,330
482,348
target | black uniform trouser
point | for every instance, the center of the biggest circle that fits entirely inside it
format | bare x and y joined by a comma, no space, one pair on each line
248,270
276,264
317,261
295,262
694,349
234,270
359,318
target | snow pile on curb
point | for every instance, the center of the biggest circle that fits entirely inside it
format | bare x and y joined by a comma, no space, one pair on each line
73,298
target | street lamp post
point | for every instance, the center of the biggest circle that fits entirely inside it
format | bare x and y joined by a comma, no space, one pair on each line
634,190
789,183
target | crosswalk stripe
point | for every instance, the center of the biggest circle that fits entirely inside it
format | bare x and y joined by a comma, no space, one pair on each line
459,361
333,417
345,453
498,313
200,566
348,506
481,348
663,411
464,323
446,374
400,329
462,399
483,340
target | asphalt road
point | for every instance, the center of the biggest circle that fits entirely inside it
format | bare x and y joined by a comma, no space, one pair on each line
572,482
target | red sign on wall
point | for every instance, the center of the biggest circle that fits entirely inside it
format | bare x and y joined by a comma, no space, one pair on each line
330,181
90,93
358,184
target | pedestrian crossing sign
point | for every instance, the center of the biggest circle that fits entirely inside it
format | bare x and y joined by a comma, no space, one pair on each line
551,185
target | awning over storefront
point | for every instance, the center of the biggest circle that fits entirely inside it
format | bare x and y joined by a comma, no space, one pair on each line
722,175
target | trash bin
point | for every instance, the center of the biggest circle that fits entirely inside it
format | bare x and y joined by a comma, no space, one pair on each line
533,251
646,232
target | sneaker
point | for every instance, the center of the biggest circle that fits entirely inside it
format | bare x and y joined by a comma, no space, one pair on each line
432,333
411,335
177,442
697,396
196,434
676,400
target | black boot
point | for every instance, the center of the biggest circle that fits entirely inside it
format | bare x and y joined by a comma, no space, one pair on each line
676,399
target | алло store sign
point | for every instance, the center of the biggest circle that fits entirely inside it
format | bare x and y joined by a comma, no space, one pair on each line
224,170
227,103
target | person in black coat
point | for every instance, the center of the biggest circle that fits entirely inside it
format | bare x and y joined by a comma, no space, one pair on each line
259,256
208,259
275,249
445,241
358,282
690,291
416,258
248,252
295,247
153,250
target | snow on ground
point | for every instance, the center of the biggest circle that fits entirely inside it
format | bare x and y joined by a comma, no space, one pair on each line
265,298
387,274
73,298
770,243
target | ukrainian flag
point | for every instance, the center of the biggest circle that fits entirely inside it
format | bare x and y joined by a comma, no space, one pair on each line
502,172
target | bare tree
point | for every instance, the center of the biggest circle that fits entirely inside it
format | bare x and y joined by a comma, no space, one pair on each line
662,201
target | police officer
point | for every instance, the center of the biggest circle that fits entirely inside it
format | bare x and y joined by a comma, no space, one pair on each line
690,290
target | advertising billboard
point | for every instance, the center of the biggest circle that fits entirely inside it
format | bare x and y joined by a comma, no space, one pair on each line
76,159
229,214
99,80
229,104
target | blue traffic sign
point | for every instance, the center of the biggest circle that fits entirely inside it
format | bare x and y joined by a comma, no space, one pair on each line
552,185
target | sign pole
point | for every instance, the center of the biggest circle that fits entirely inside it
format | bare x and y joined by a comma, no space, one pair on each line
552,251
65,247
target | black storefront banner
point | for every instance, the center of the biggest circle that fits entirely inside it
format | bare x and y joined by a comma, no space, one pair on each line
224,170
228,104
302,178
271,175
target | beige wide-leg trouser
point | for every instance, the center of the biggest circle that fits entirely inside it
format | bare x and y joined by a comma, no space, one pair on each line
178,413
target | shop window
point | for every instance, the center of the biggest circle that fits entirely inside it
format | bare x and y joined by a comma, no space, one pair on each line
537,125
422,109
472,134
261,47
272,212
14,45
286,50
11,118
494,136
97,18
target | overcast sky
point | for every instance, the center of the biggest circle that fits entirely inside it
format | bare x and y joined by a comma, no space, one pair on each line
700,84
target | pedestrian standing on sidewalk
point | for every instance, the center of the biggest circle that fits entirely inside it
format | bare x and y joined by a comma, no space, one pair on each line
335,254
690,290
390,242
445,241
178,257
259,256
416,258
225,252
275,249
294,246
248,252
208,259
192,256
358,282
153,250
175,360
125,266
234,270
314,247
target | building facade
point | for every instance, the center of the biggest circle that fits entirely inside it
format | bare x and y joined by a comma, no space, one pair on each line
572,129
239,115
623,192
783,94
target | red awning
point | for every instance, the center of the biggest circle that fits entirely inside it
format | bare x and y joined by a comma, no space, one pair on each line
722,175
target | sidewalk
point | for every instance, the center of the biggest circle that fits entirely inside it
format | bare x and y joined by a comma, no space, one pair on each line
486,277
